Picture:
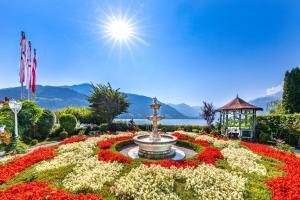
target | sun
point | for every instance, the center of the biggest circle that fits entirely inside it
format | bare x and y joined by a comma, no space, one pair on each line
122,30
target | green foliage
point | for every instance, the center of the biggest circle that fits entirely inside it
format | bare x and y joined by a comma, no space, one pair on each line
280,126
7,118
68,123
63,134
291,91
104,127
28,117
276,107
106,103
195,130
83,115
44,125
264,138
34,142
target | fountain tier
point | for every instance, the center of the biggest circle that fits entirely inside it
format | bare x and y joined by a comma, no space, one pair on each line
154,146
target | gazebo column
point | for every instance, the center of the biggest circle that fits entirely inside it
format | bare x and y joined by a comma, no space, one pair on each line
240,119
226,119
233,124
254,124
246,118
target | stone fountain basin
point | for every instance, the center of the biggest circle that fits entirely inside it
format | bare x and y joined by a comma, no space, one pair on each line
163,145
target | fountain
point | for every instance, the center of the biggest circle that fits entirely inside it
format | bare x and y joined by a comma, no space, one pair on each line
156,146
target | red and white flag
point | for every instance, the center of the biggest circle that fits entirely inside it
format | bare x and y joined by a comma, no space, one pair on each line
23,58
33,74
29,65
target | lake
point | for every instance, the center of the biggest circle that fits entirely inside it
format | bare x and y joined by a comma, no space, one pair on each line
168,121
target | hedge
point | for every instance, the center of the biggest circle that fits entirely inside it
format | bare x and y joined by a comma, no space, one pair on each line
282,126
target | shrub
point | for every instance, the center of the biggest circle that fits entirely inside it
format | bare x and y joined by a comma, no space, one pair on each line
83,115
281,126
44,125
63,135
68,123
104,127
20,147
195,130
264,138
34,142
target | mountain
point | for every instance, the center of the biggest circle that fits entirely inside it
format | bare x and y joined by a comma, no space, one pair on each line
50,97
263,101
59,97
186,109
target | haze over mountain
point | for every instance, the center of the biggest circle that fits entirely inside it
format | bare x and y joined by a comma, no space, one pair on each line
263,101
187,109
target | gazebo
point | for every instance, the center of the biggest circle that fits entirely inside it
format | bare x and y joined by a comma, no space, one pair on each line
238,119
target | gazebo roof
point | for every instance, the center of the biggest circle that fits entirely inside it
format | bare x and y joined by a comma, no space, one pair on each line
239,104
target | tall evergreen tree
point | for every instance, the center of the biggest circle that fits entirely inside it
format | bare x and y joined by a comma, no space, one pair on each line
291,91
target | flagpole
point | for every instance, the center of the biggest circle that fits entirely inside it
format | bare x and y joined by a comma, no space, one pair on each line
22,63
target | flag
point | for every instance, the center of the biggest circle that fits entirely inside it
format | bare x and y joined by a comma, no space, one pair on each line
23,58
33,74
29,64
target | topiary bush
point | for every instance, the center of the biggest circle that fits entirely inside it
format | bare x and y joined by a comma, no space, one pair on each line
68,123
44,125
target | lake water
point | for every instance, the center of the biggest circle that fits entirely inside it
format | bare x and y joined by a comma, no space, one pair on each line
168,121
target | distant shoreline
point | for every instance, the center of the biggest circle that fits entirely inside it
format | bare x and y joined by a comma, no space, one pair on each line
168,121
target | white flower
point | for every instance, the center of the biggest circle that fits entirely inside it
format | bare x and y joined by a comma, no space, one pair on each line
91,174
209,182
244,160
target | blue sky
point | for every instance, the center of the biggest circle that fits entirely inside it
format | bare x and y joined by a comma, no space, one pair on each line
196,50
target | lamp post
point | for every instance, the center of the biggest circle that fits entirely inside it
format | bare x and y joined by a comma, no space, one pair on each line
15,106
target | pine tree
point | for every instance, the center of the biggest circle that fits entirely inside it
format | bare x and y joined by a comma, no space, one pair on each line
291,91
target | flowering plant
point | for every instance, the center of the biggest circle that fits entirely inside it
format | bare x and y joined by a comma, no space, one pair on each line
209,155
5,137
73,139
41,190
11,169
107,155
180,136
173,163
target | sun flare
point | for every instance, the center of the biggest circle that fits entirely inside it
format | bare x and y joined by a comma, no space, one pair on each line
122,30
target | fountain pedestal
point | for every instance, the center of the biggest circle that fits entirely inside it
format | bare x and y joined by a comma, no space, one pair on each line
155,146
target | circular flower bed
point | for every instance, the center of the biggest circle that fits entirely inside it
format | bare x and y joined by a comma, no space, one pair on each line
92,168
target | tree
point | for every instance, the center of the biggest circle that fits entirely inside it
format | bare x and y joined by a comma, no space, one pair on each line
291,91
208,113
276,107
106,103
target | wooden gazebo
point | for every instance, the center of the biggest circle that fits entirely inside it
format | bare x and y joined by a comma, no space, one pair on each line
238,119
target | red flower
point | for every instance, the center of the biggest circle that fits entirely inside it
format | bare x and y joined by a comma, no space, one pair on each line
199,142
180,136
107,155
170,163
11,169
73,139
41,190
209,155
284,187
105,144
